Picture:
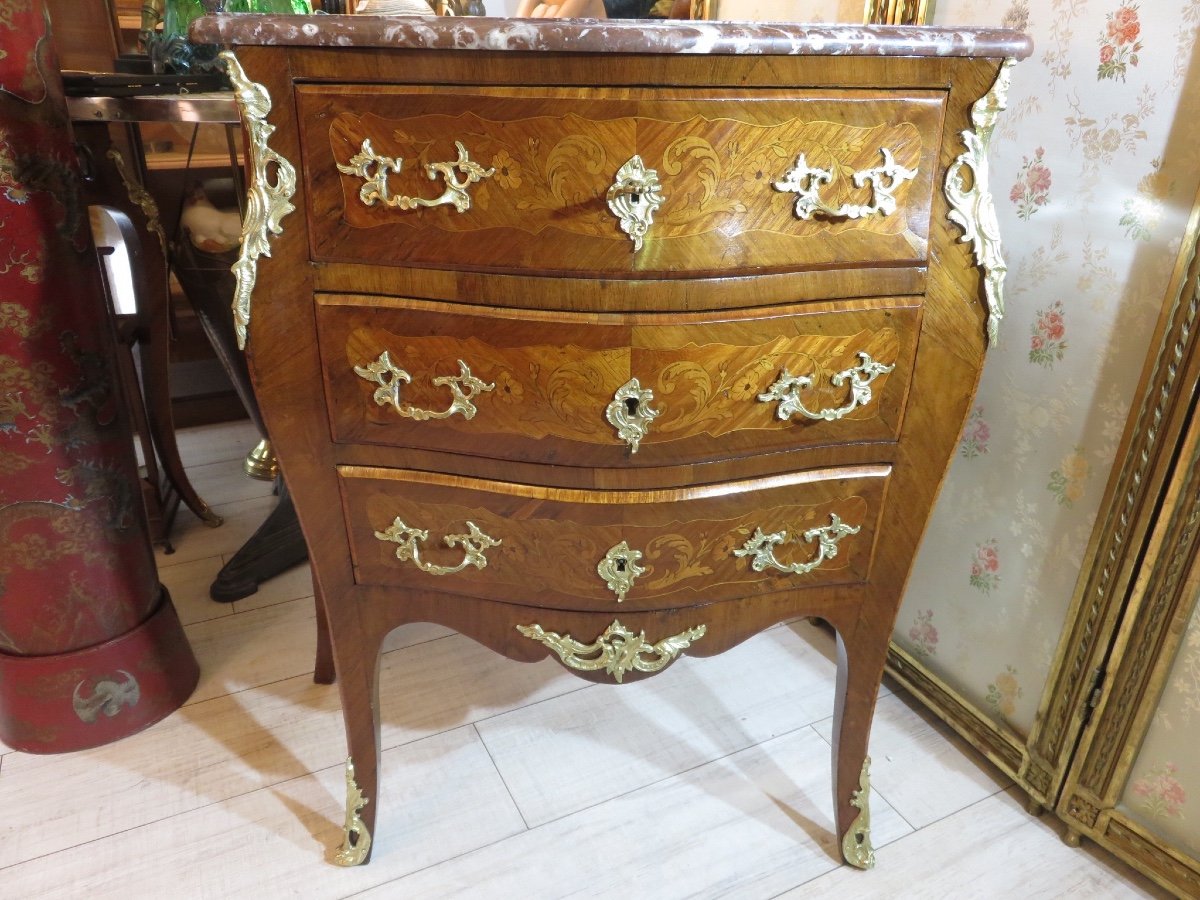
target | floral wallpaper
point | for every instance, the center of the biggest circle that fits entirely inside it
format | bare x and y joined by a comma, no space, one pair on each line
1095,167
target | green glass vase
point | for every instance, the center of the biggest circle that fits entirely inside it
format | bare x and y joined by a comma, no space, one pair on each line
172,51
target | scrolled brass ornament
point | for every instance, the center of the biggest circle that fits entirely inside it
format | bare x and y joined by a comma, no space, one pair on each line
630,412
140,196
389,377
973,208
806,182
617,651
761,546
786,390
356,839
634,197
373,168
620,569
856,844
266,202
408,539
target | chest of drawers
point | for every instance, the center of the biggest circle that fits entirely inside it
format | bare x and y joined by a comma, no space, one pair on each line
614,341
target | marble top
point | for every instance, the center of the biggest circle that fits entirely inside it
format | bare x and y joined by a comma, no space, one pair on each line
609,36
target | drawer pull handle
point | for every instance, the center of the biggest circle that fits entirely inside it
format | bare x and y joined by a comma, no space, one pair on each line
630,412
474,543
617,651
634,197
375,187
464,387
761,547
620,569
787,387
806,182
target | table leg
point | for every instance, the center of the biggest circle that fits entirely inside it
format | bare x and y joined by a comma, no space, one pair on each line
860,668
358,676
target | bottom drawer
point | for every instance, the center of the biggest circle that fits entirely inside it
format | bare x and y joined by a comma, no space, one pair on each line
612,550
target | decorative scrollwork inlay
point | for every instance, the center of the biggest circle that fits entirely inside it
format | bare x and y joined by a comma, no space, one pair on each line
761,546
389,377
356,840
634,197
856,843
620,569
786,390
266,202
373,168
630,412
407,539
973,208
806,181
617,651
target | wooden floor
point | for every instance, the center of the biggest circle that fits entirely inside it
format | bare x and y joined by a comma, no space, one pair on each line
506,780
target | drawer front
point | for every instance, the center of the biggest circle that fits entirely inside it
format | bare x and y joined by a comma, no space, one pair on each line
622,389
524,178
612,550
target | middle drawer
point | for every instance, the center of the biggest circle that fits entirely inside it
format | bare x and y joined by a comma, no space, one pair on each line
619,389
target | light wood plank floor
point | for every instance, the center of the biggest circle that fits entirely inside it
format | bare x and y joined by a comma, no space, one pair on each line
503,780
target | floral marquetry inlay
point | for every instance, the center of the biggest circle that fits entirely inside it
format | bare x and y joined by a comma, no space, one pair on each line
594,562
586,394
710,173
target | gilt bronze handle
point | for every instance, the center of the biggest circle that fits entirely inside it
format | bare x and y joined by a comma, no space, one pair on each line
408,539
463,388
761,547
787,387
806,182
373,168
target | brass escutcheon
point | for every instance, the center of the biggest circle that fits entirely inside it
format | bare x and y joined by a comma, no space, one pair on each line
630,412
634,197
620,569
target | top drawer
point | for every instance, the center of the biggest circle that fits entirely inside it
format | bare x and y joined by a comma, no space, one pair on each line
766,181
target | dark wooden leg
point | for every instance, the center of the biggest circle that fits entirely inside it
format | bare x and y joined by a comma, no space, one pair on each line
275,547
156,351
323,670
358,673
861,658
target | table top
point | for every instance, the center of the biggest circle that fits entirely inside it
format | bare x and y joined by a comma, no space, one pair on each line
217,106
609,36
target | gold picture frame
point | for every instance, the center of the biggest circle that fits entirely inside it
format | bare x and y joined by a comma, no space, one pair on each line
896,12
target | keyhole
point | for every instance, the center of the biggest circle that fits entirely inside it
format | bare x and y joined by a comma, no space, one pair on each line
637,197
620,564
631,405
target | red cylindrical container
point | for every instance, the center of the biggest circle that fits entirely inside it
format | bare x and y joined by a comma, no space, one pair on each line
90,647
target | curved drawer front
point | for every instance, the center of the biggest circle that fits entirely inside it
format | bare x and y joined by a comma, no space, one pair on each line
612,550
640,389
537,179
